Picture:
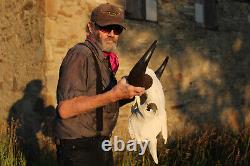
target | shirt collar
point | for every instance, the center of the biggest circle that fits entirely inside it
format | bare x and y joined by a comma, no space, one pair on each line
91,41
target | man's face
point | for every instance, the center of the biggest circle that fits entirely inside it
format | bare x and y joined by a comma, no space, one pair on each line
107,36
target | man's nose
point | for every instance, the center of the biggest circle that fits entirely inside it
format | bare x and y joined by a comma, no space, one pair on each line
111,33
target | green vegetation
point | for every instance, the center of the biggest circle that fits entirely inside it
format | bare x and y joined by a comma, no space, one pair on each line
12,155
9,153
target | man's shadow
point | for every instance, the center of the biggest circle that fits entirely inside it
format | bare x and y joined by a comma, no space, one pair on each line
28,116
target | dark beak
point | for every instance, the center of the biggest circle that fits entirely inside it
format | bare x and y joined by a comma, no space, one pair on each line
160,70
137,75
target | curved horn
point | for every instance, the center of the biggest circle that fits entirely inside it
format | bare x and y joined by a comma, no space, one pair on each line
160,70
137,73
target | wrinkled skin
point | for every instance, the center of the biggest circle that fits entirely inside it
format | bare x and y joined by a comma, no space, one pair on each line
148,118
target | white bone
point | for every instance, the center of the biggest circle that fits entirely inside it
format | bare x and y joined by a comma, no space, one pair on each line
152,123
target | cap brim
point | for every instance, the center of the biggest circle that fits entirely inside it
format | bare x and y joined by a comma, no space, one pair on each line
111,23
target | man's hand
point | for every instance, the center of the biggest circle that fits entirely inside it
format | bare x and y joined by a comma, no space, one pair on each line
80,104
125,91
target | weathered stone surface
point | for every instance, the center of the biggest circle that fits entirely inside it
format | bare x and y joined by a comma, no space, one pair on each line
205,82
22,48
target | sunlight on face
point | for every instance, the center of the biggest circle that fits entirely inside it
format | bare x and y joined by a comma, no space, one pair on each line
106,40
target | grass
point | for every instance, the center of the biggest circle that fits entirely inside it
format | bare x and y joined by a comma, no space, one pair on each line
208,147
12,155
9,153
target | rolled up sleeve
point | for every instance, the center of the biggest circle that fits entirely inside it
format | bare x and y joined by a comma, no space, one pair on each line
73,75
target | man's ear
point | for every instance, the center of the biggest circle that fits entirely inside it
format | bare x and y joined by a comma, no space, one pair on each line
90,27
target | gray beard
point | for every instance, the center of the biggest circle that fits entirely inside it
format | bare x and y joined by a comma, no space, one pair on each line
108,47
104,45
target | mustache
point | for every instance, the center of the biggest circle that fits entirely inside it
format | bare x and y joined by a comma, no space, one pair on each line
109,44
111,39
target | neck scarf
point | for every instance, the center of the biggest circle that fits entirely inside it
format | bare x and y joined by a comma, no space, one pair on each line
113,60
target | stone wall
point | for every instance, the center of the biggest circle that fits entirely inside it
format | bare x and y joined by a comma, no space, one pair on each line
206,82
21,49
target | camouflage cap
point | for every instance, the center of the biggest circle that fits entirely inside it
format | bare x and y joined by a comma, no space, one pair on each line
108,14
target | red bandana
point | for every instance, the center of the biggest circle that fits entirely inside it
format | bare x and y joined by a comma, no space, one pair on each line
113,59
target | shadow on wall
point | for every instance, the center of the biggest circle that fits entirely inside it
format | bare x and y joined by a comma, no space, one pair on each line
214,93
29,117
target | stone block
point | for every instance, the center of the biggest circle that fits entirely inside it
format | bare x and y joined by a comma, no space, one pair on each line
51,26
64,13
51,8
14,84
51,80
118,2
48,51
50,98
61,43
28,5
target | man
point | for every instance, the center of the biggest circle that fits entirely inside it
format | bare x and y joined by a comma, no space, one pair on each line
88,95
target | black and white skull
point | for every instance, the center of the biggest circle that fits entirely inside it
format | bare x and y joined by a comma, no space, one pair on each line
148,116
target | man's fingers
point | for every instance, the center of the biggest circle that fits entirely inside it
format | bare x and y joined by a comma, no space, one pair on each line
139,89
136,91
128,91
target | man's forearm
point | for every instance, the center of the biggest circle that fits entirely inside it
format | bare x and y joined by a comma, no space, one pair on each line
81,104
77,105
